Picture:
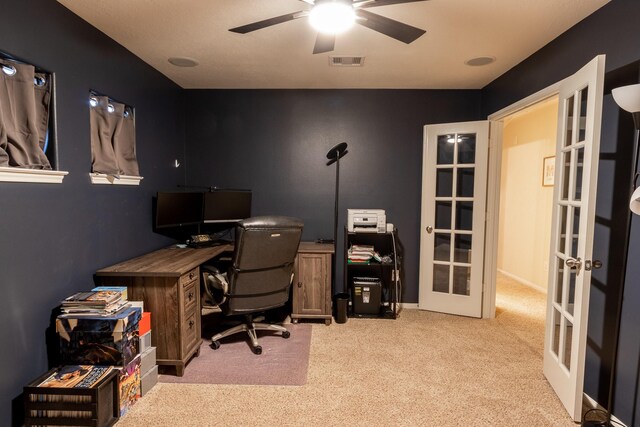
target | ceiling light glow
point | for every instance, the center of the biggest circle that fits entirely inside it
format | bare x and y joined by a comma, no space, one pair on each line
332,17
452,140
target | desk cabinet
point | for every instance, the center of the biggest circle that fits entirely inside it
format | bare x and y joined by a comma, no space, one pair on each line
311,292
168,282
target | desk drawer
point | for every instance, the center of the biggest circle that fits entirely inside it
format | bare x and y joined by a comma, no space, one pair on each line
190,333
189,277
190,298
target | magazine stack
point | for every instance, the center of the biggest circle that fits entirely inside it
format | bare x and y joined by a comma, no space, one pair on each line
97,302
105,340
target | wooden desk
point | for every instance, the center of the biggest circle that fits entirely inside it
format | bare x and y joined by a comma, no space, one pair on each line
168,281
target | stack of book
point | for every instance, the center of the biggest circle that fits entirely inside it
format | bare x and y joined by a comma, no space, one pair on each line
362,254
97,302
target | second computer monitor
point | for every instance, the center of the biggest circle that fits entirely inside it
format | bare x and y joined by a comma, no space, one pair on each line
226,206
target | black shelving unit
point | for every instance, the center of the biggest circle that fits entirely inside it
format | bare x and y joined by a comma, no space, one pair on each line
389,273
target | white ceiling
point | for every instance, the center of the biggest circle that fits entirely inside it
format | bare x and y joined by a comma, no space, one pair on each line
281,56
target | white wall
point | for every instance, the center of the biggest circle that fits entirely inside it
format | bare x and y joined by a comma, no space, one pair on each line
525,205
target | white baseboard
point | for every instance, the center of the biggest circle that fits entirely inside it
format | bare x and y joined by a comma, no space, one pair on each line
589,402
523,281
409,305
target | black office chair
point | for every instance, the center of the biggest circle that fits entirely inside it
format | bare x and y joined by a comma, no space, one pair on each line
259,277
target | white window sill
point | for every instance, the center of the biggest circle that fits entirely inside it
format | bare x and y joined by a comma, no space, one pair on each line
101,178
14,174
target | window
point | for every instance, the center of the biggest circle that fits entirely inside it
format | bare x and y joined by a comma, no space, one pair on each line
27,123
113,142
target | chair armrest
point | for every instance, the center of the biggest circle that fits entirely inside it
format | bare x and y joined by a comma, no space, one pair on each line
215,284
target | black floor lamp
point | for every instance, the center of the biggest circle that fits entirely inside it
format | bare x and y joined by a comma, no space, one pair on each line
627,98
334,155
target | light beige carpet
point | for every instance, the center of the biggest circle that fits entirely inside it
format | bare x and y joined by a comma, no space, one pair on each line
423,369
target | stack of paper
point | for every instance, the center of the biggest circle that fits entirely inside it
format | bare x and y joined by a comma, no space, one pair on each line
362,254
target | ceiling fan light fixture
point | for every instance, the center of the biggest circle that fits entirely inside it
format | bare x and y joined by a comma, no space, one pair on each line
332,17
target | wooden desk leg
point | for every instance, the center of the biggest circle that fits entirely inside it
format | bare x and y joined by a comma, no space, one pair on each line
180,369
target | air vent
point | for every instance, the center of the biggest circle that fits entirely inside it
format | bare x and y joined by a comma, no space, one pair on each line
346,61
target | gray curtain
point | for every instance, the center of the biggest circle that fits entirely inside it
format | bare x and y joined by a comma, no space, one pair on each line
125,144
25,97
113,143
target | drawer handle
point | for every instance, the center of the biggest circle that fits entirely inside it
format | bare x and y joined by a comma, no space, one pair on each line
299,284
191,323
190,296
191,275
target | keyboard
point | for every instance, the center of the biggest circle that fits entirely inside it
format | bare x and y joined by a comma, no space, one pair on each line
208,243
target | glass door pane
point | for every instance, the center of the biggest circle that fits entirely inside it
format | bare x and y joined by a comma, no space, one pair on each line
454,209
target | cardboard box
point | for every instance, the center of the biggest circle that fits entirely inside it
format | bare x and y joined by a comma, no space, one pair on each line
145,323
98,340
130,385
145,342
149,380
147,360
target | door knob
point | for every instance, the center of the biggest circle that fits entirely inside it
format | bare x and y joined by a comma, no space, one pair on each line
574,263
592,265
429,229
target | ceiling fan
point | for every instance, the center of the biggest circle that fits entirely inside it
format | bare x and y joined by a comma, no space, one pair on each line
331,17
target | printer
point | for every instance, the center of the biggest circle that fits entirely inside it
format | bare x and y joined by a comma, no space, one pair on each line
366,221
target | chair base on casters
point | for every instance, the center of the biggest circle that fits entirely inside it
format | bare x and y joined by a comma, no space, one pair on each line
250,327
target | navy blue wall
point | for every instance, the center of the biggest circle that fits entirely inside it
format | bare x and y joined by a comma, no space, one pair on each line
53,237
612,30
275,141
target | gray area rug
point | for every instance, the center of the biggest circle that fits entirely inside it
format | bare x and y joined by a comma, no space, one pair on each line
282,362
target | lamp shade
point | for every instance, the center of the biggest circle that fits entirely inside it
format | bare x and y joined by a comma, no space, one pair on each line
627,97
634,202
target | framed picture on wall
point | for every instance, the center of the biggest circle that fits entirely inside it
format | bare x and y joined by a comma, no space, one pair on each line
548,171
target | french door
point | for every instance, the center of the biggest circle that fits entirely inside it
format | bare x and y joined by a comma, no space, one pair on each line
578,142
452,236
454,184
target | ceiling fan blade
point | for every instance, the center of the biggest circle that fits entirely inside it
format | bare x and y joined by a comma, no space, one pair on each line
387,26
375,3
268,22
324,43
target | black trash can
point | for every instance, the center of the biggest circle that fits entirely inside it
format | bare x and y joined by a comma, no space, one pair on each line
342,305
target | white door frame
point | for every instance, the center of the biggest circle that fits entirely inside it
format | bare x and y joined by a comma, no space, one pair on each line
493,192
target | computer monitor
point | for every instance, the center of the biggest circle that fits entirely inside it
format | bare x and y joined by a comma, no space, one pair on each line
175,209
226,206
